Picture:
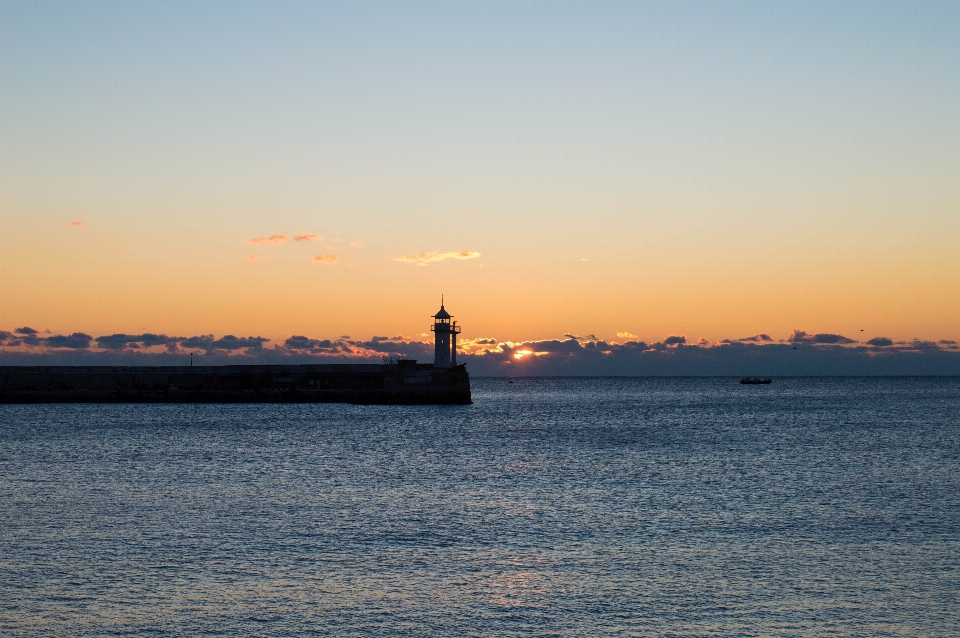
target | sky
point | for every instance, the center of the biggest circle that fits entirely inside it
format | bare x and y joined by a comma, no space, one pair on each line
615,171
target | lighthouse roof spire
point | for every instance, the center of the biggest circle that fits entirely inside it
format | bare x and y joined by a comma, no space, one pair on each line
443,314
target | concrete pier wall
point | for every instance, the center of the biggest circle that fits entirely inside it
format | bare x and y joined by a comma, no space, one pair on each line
397,383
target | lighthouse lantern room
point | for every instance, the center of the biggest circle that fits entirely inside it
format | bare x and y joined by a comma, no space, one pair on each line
445,339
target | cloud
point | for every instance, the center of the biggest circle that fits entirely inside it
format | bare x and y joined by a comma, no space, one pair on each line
257,258
488,356
75,225
627,335
135,342
77,340
423,259
26,330
228,342
326,259
8,339
799,336
272,240
880,342
282,238
357,244
299,342
760,336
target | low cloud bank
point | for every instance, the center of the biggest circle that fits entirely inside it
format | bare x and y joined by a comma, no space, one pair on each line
800,355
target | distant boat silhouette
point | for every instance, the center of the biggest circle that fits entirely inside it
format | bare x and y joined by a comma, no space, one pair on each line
755,381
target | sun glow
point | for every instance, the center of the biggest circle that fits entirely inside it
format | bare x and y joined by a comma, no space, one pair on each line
520,354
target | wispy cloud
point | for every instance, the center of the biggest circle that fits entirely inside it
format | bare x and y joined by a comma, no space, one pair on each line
357,244
272,240
76,225
282,238
257,258
423,259
326,259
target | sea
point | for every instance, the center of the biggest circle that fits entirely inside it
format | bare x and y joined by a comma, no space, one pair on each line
549,507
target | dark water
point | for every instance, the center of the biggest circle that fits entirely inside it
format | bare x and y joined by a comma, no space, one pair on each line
683,507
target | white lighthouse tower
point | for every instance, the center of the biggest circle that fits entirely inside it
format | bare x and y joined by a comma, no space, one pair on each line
445,339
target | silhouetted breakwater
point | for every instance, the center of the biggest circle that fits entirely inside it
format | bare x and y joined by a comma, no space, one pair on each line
403,382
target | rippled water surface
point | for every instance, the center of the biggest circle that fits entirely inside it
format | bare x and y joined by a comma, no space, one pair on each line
684,507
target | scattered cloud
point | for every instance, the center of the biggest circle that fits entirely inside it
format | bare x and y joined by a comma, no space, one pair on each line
257,258
880,342
76,225
272,240
760,336
26,330
675,340
282,238
423,259
799,336
627,335
357,244
331,258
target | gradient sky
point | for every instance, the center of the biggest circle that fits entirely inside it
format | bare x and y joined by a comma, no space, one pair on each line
708,169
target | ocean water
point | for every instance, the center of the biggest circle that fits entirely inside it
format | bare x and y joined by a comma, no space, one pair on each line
550,507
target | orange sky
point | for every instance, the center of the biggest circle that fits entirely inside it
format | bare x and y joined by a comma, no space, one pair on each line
713,171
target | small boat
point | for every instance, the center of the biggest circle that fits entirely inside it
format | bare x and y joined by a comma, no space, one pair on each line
755,381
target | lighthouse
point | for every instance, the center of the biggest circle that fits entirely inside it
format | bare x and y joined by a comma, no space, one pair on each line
445,339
